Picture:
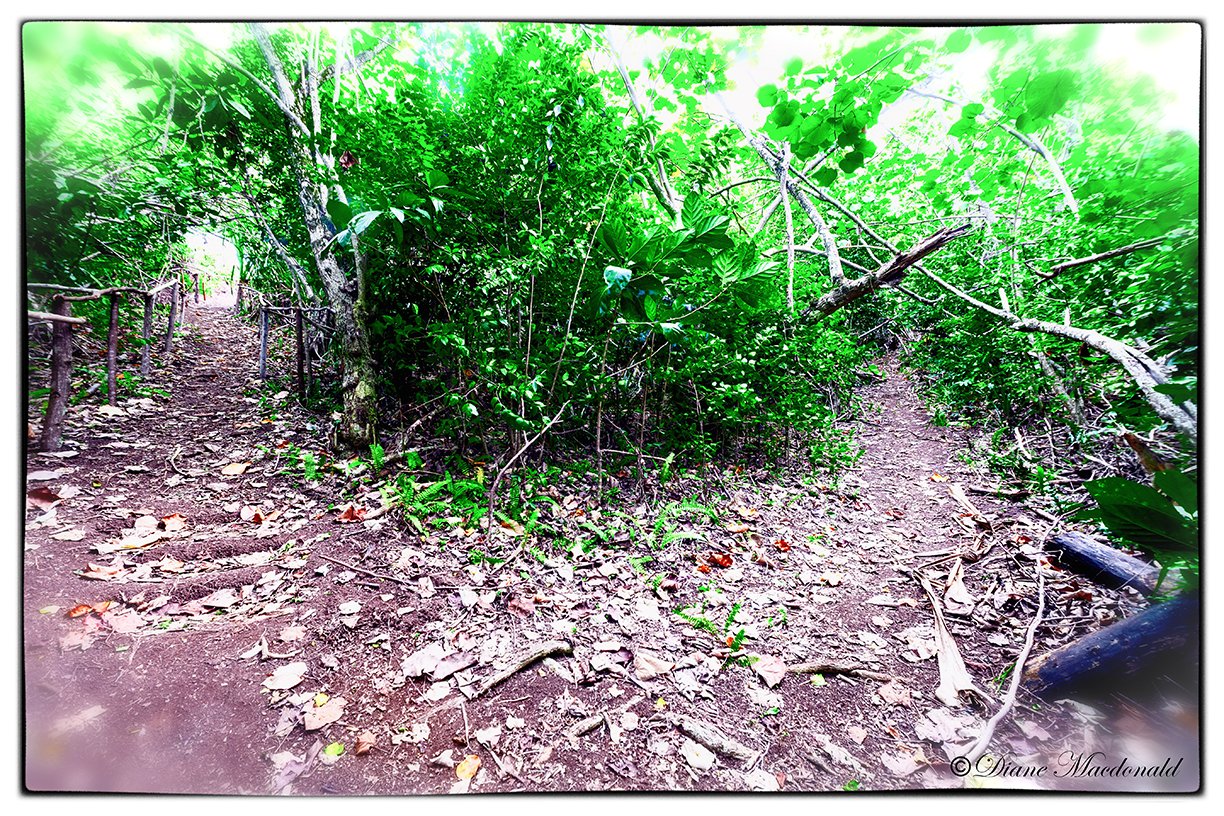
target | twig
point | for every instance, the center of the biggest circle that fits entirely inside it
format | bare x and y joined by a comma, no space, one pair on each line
838,668
370,573
548,649
983,740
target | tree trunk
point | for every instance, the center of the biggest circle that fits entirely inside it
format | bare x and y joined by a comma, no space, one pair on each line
346,294
61,377
1160,640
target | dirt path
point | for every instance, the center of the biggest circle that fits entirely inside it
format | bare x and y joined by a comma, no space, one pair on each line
229,582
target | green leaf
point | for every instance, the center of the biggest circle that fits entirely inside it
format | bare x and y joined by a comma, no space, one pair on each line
851,162
958,41
1179,487
436,179
1049,93
363,220
972,110
1141,515
340,213
767,95
141,82
334,749
826,176
1179,392
793,66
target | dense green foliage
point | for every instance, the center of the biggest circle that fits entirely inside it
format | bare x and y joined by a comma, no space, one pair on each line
545,231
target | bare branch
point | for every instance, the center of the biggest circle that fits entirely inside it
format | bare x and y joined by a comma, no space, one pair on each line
1100,256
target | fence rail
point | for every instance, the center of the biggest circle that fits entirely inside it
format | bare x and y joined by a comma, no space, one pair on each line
301,318
63,323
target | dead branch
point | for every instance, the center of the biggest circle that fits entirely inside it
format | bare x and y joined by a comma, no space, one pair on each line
1100,256
547,649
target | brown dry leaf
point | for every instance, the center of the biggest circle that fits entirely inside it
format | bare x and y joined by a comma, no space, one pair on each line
286,677
350,513
235,468
172,565
100,572
831,578
220,599
71,534
174,522
721,559
365,741
521,605
856,733
938,477
326,714
737,527
746,513
894,693
291,633
124,622
79,610
906,762
44,498
513,527
253,514
468,767
771,669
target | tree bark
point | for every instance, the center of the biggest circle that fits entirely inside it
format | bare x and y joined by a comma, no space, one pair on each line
345,293
147,350
61,377
112,352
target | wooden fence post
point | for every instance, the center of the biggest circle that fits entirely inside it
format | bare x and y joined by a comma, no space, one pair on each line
263,343
174,295
112,351
198,286
301,353
61,377
238,300
146,352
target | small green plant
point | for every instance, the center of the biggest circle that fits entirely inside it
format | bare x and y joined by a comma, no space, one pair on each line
310,467
852,785
377,456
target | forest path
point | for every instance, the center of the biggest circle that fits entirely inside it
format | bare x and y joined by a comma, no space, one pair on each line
201,617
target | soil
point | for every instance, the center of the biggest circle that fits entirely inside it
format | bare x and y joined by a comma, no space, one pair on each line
147,664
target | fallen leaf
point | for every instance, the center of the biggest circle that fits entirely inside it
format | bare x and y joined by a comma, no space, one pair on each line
894,693
174,522
782,545
451,664
235,468
647,665
71,534
423,660
79,610
771,669
291,633
286,677
334,749
737,527
856,733
44,498
326,714
320,699
350,607
703,567
221,599
468,767
721,559
350,513
42,475
66,725
697,755
365,741
521,605
938,477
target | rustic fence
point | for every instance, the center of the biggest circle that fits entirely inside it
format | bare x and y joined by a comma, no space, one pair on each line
302,318
64,323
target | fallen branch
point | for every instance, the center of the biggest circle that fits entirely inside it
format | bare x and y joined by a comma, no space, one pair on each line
370,573
983,741
715,740
548,649
1100,256
839,668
